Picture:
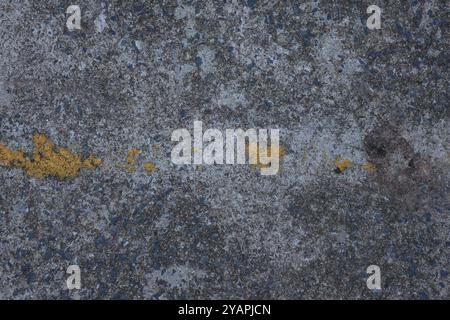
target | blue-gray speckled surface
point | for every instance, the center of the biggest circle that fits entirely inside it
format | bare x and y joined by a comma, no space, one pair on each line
140,69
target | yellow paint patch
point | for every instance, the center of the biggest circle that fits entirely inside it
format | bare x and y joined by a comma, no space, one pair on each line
369,167
46,161
342,164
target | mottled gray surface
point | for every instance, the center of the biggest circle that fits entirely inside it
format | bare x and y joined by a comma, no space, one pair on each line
140,69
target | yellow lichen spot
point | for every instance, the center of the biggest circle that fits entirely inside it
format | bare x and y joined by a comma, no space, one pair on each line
10,158
132,153
341,164
253,151
369,167
131,162
46,161
149,167
91,162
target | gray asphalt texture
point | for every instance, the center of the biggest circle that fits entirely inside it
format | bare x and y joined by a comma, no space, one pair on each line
140,69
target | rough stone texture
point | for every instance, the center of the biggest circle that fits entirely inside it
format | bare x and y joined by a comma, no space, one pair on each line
140,69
